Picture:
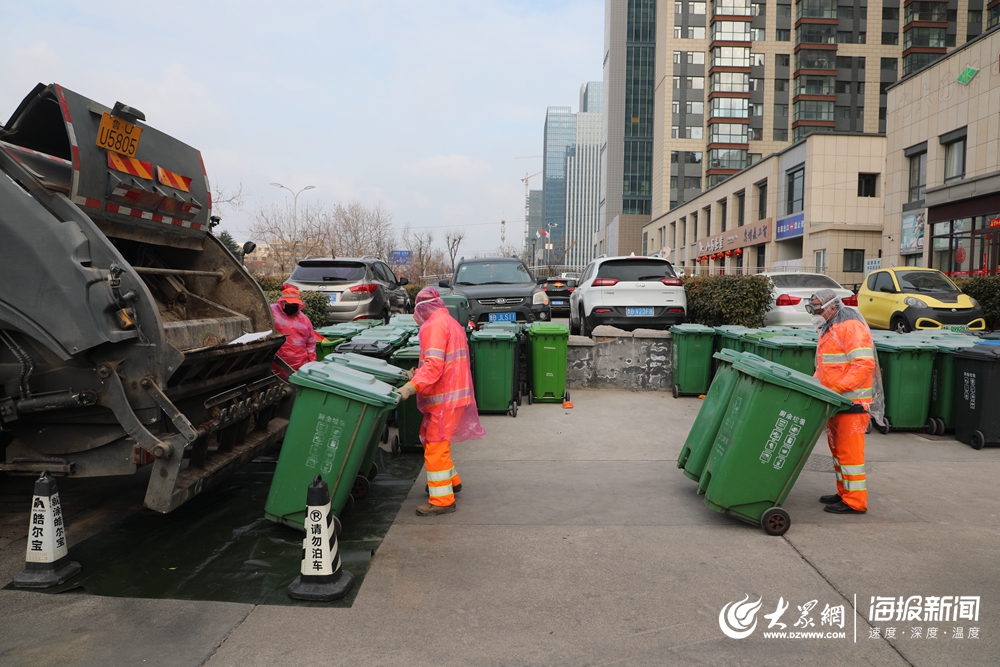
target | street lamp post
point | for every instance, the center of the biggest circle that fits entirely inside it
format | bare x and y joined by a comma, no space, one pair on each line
295,198
548,243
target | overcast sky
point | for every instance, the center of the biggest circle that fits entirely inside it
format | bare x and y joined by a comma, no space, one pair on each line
422,106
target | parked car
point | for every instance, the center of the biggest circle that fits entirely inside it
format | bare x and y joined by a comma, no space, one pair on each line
559,291
908,298
628,293
790,293
356,288
499,289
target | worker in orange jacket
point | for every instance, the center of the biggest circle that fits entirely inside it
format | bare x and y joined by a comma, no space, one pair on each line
443,385
846,363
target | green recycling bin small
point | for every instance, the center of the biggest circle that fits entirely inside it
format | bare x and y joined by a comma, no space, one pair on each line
907,365
408,416
458,306
795,352
698,445
327,346
977,385
517,329
382,371
692,358
941,411
772,423
494,370
547,343
336,412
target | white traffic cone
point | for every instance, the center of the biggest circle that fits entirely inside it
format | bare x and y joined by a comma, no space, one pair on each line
322,577
47,560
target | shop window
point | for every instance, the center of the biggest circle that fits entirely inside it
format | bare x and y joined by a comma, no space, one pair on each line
854,261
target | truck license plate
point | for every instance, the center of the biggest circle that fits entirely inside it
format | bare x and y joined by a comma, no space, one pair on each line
638,312
118,135
503,317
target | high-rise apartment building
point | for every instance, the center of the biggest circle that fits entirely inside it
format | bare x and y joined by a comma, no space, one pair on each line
627,147
583,179
560,137
737,80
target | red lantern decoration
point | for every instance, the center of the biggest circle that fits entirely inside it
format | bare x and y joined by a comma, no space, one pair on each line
729,253
739,252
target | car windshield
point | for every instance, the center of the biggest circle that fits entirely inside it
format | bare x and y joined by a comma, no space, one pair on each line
493,273
804,281
318,271
924,281
636,269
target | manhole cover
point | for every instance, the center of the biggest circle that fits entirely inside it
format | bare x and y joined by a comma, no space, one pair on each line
819,463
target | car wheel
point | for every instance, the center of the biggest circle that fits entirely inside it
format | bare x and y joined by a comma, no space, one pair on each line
899,324
574,328
584,331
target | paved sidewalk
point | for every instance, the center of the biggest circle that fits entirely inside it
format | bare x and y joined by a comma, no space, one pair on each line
578,542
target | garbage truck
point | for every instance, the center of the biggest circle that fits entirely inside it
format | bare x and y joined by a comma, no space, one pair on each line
129,335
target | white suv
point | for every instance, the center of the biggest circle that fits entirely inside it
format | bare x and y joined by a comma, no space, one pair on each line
628,293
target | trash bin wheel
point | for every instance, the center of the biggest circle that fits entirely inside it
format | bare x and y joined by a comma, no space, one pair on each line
361,487
373,472
531,397
941,428
676,391
931,427
566,396
977,439
884,430
385,434
775,521
519,397
868,429
349,505
337,526
395,447
512,409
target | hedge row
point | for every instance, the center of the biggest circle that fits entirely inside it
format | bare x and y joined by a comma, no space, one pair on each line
985,290
718,300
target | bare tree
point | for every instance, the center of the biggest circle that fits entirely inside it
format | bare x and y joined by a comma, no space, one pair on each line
508,250
453,239
289,237
358,230
233,199
422,246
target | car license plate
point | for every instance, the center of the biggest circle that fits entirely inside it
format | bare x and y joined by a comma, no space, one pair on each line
957,327
558,303
503,317
639,312
118,135
333,298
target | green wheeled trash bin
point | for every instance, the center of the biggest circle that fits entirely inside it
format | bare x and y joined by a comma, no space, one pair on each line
698,445
977,385
346,330
327,346
382,371
750,340
403,320
728,336
692,358
494,370
941,412
773,421
458,306
547,342
336,413
369,347
408,416
907,365
795,352
522,352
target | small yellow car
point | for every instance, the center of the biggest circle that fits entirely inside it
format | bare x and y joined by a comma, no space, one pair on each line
910,298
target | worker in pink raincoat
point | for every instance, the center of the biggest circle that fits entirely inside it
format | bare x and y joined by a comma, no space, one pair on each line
300,338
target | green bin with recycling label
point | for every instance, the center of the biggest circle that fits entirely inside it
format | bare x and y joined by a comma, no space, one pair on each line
692,358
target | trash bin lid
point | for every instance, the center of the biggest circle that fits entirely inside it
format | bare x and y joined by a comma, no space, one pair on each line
950,345
378,348
988,342
979,352
728,355
345,330
775,342
692,328
380,368
905,344
790,379
548,329
402,318
731,330
493,334
394,338
339,379
408,352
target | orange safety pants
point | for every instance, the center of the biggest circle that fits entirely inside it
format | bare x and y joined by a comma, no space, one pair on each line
436,430
845,432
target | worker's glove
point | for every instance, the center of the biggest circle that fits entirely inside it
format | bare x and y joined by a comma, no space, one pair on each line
406,391
409,373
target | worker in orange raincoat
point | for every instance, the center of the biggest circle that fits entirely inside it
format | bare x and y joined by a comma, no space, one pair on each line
847,364
443,385
299,347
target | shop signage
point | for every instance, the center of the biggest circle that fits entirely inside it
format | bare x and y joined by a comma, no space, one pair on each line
966,76
995,222
911,242
747,235
790,227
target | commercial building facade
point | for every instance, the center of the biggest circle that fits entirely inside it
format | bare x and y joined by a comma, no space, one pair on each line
814,206
583,180
942,205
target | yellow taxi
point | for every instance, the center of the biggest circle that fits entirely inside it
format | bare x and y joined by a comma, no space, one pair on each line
908,298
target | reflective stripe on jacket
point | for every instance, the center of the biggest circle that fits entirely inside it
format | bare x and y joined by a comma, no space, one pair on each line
443,378
845,361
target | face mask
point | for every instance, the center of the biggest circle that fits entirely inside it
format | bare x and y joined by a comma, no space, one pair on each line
818,321
290,309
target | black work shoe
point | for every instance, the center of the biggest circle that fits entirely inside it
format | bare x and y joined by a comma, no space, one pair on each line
455,489
842,508
830,499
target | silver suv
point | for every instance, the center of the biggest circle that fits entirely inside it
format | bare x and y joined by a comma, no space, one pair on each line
356,288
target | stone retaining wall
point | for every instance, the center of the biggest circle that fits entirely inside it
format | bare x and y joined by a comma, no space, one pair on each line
639,360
